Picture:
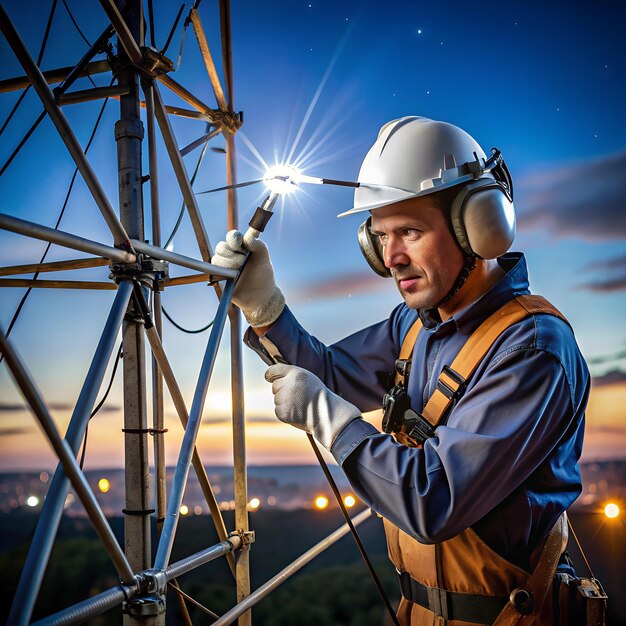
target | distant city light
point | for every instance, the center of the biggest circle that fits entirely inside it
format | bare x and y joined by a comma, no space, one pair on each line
44,477
104,485
321,502
69,500
254,504
184,509
197,509
611,510
32,501
271,501
349,501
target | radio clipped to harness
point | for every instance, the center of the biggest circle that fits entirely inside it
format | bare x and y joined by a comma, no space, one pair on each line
408,426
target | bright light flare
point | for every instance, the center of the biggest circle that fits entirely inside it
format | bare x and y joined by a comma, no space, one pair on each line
32,501
349,501
611,510
104,485
254,504
282,179
184,509
321,502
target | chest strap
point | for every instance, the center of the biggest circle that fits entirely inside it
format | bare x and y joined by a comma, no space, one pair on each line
454,377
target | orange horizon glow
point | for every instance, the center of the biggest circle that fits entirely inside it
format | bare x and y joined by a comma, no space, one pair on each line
268,442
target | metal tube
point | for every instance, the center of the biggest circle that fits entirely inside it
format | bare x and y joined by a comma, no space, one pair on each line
242,573
66,456
188,280
67,134
179,403
55,266
97,46
54,76
208,59
56,284
189,98
87,95
199,142
80,612
284,574
215,271
200,558
182,177
160,478
129,134
52,508
182,467
62,238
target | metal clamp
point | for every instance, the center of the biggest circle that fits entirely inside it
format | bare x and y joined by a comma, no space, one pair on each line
151,272
247,537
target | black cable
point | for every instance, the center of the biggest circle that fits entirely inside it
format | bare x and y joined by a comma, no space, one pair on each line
42,48
169,39
20,145
58,222
80,32
182,208
151,20
100,404
355,534
185,330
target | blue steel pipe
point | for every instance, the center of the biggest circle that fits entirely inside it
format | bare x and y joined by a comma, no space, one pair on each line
191,431
52,509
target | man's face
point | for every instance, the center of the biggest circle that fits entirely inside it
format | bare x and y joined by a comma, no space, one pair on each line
419,249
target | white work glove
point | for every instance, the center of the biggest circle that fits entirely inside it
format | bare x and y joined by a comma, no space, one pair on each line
303,400
256,294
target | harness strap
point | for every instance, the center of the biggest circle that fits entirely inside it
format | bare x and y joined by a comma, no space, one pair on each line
464,607
538,583
407,346
453,377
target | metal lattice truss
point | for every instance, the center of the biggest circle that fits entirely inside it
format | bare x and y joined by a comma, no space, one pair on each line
138,268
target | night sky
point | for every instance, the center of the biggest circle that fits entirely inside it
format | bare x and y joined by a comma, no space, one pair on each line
543,82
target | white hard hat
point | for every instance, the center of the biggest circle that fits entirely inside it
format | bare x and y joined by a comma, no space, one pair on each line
414,156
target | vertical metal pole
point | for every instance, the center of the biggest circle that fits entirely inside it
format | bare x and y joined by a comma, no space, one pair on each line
242,572
129,135
157,378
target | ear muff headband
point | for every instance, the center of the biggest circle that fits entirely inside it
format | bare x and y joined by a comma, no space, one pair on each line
371,249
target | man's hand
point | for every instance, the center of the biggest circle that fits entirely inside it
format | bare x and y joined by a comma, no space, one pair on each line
302,400
256,294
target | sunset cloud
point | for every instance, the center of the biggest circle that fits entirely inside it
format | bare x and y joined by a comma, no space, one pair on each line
586,200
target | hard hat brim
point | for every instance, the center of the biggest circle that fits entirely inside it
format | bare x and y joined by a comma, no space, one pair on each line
404,194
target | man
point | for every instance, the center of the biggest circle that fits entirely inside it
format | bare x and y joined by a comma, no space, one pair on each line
468,506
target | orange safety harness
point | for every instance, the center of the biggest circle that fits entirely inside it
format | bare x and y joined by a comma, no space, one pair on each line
431,596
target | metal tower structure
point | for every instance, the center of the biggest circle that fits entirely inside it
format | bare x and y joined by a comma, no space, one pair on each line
139,273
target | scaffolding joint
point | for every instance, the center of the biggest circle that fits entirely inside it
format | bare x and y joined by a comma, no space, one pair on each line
150,599
227,121
150,272
247,538
155,62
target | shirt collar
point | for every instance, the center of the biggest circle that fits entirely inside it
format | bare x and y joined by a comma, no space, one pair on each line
512,284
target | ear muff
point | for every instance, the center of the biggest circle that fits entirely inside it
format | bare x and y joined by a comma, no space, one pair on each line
483,218
371,249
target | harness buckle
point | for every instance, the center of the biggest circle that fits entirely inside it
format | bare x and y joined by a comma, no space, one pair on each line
445,389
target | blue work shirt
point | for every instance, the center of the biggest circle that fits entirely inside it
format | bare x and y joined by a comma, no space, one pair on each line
505,459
